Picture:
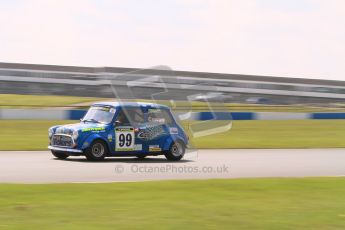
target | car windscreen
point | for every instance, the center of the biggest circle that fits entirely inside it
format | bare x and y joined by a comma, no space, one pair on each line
99,114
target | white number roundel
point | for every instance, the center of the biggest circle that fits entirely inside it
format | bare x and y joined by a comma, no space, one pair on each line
124,139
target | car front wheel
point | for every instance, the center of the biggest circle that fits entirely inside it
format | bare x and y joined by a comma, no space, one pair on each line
59,155
175,152
96,151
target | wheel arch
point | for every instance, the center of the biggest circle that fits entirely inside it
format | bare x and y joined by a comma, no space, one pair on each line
92,138
171,140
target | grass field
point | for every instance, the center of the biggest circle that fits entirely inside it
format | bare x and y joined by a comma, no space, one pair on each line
16,100
39,101
33,135
278,134
25,134
306,203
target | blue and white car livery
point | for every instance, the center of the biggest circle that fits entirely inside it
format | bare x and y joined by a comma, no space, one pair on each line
111,129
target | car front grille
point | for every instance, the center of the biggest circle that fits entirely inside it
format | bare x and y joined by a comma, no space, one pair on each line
62,140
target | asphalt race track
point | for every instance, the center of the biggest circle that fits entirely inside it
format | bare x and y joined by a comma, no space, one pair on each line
42,167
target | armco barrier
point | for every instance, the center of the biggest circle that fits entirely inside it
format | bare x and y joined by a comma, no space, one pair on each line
328,116
61,114
33,114
202,116
75,114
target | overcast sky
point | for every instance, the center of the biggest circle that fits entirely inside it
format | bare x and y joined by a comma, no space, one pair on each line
294,38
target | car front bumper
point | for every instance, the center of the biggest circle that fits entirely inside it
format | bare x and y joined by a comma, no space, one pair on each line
65,149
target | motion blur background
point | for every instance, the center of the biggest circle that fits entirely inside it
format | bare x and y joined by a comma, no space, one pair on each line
266,111
230,88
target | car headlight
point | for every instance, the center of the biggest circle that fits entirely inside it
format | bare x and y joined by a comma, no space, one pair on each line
75,135
50,133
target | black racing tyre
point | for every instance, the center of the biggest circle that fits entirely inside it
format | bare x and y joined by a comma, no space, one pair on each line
59,155
96,151
175,152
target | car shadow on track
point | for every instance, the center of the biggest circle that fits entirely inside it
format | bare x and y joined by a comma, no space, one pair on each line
125,160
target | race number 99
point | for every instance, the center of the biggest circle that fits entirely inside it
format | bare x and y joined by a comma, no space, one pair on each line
124,139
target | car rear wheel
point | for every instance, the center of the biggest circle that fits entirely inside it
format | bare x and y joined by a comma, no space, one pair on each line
96,151
59,155
175,152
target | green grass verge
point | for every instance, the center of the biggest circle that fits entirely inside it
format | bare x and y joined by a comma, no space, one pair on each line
33,135
26,134
39,101
306,203
18,101
277,134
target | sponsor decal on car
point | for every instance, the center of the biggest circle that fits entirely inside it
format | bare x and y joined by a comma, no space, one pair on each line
154,148
151,132
173,130
156,120
97,129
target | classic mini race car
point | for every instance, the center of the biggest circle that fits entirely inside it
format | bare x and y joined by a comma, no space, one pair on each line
112,129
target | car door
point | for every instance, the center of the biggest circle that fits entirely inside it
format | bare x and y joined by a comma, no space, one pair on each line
126,130
157,129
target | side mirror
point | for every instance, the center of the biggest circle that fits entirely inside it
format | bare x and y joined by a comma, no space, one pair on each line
117,123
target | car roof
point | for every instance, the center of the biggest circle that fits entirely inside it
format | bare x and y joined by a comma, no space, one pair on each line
116,104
